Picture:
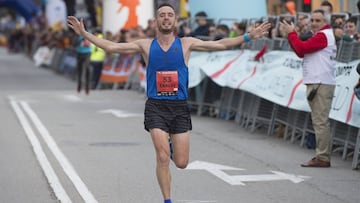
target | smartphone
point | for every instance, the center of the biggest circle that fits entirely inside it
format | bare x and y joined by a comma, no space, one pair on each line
288,19
312,94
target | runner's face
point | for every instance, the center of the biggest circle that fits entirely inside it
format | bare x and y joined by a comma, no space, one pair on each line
166,19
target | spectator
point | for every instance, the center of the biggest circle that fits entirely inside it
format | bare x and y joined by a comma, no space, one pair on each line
337,24
358,6
221,31
66,39
29,37
83,51
338,21
150,30
281,31
183,28
350,33
203,25
327,7
138,33
272,31
237,29
109,35
97,58
15,40
212,33
319,76
302,26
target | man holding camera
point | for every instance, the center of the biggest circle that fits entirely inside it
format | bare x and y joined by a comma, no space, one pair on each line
319,74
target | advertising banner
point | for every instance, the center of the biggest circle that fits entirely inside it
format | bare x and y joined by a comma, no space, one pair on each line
277,77
125,14
56,14
119,67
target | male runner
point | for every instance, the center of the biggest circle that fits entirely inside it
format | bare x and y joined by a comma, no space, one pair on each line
166,111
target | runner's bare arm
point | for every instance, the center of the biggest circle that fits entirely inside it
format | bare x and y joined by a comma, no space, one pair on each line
108,46
226,43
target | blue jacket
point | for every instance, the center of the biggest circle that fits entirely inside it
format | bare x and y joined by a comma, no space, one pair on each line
83,45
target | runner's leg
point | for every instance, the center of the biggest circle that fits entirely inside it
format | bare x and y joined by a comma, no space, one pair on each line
180,144
161,144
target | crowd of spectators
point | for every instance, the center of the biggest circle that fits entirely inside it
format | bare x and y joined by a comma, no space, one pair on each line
27,36
22,36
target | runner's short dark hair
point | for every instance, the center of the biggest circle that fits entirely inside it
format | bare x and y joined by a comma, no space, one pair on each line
165,4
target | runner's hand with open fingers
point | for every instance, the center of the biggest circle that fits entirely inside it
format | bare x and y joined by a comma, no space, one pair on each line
76,25
260,31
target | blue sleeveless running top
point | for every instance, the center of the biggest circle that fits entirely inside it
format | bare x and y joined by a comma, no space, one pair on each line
167,74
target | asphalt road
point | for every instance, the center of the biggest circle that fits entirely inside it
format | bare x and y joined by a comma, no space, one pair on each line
58,145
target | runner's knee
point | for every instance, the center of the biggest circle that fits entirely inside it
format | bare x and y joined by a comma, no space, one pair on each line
182,164
164,158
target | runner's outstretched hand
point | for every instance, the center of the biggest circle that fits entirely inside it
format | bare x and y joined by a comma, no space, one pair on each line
76,25
260,31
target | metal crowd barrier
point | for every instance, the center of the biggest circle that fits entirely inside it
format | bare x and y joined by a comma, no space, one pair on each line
348,51
356,158
253,113
280,119
344,139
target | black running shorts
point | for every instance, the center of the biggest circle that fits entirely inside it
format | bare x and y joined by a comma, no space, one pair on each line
172,116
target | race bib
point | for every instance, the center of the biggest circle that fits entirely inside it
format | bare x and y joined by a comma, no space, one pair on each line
167,83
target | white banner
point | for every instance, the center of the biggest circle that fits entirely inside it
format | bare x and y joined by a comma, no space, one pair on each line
56,14
277,77
118,14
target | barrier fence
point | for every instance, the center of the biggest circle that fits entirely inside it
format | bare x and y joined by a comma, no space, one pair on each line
264,93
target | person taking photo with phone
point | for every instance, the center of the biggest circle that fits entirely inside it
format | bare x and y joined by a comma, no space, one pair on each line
319,75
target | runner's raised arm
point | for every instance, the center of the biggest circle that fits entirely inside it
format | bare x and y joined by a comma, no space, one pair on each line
108,46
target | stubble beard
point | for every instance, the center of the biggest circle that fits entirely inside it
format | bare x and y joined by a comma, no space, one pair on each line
166,31
163,30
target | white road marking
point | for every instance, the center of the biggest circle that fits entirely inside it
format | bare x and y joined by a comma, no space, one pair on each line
72,98
49,172
120,114
65,164
217,170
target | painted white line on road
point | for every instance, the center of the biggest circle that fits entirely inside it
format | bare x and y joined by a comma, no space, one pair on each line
72,98
120,114
69,170
49,172
217,170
